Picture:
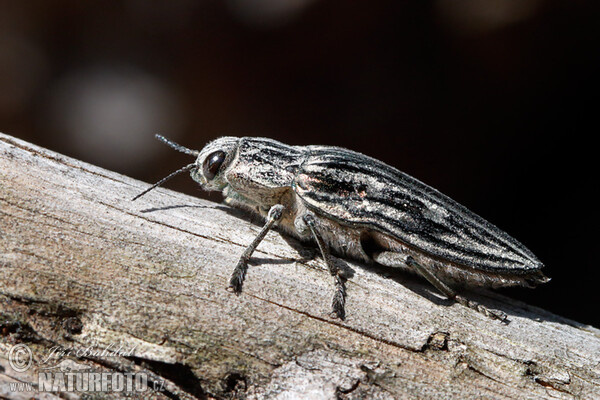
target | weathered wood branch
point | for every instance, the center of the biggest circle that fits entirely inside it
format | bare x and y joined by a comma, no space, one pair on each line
83,267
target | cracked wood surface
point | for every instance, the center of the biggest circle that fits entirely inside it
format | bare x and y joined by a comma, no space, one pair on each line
83,267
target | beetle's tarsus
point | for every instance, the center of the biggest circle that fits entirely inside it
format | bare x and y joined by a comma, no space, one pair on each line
237,277
339,298
493,314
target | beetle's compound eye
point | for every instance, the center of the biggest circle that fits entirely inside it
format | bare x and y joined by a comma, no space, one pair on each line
212,163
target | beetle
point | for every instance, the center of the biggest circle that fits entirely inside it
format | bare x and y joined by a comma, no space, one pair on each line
360,208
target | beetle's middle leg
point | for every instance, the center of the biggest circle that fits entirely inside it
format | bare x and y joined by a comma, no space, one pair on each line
239,273
392,259
339,298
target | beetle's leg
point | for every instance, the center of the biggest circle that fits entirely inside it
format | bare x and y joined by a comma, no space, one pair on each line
451,294
339,298
387,258
239,273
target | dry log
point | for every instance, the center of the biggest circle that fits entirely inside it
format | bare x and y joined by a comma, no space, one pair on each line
83,267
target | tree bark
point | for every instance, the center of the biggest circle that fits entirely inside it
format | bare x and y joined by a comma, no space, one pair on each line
84,269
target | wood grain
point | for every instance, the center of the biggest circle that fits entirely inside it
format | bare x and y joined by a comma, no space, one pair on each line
82,267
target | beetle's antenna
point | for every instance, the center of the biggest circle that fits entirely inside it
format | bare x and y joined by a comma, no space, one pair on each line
177,147
163,180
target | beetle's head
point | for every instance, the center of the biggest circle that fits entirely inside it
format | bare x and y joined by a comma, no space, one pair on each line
212,162
210,165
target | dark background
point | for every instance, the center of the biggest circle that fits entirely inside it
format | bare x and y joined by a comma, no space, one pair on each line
492,102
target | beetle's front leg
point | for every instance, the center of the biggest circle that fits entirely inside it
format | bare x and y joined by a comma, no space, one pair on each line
239,273
339,297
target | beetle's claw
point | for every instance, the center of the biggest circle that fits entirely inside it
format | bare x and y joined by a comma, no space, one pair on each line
339,313
234,289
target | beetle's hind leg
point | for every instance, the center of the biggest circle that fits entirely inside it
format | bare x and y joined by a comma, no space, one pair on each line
239,273
339,298
392,259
